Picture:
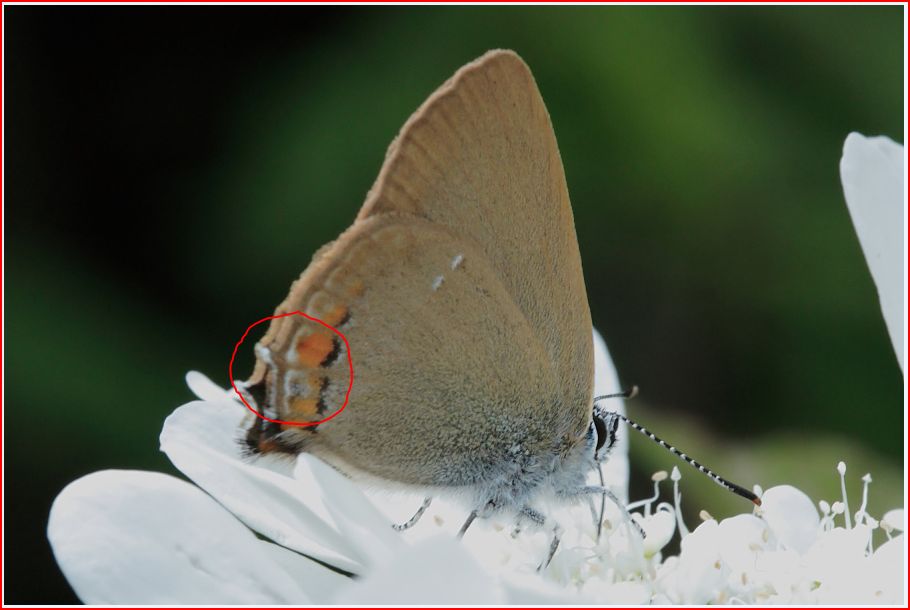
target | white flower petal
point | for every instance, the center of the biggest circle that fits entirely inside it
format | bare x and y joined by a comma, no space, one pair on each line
200,438
741,538
436,571
530,589
660,599
354,515
624,550
130,537
838,562
742,542
872,172
792,517
700,574
626,594
206,389
888,571
659,529
782,571
606,381
895,519
320,583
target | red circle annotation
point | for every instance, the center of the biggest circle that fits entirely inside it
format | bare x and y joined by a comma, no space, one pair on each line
347,394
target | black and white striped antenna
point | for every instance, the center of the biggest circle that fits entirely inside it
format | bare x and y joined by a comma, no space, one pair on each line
738,490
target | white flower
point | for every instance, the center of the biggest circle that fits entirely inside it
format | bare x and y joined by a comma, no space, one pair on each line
143,537
786,554
127,537
138,537
872,173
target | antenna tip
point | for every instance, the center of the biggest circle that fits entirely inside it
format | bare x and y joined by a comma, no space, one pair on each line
632,392
756,501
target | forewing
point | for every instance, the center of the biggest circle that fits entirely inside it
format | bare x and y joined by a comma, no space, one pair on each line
480,158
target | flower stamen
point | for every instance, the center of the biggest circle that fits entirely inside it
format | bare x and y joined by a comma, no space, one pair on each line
842,470
675,476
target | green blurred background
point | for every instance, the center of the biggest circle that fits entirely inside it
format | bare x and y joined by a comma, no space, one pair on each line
170,170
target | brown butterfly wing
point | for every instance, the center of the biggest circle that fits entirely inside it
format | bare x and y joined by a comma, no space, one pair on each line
480,157
459,288
444,360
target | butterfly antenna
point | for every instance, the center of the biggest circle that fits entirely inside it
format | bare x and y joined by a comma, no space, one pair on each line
738,490
628,393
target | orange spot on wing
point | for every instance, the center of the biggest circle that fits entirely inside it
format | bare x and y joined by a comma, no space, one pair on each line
304,408
336,316
316,383
312,350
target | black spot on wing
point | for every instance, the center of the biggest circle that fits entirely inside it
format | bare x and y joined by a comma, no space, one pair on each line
320,404
344,319
332,356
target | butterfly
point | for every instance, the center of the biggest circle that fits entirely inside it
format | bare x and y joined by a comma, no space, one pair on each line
460,292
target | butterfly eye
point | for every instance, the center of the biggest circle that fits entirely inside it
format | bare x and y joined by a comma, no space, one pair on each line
601,429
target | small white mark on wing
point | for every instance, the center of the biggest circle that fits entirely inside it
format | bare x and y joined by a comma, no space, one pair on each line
459,258
291,356
437,282
264,354
287,386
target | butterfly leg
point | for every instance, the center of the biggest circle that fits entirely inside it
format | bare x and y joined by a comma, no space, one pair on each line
483,511
597,489
554,544
535,516
595,516
603,500
467,524
539,519
400,527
